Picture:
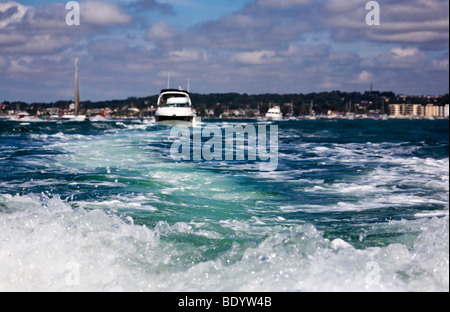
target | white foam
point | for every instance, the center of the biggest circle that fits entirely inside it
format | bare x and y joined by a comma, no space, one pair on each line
432,214
46,245
300,259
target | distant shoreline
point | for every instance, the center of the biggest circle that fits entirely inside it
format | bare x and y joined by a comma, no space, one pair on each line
237,105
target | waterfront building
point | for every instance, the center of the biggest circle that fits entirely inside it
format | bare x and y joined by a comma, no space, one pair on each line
414,110
418,110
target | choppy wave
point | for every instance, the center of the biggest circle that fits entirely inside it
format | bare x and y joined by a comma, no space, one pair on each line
46,244
103,207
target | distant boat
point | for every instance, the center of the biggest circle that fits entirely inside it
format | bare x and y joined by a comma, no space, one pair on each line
274,114
99,118
290,116
54,117
76,116
348,114
312,112
21,116
174,107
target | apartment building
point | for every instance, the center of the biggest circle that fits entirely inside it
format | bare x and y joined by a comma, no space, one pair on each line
418,110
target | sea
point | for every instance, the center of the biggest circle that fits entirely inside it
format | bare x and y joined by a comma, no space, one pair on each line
353,206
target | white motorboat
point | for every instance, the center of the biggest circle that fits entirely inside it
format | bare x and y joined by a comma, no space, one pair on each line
174,107
21,116
274,114
71,117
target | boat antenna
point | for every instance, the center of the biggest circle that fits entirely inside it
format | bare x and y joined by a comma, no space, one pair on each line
189,84
168,82
77,92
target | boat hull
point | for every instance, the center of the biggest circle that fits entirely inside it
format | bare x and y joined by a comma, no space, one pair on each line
274,118
174,120
74,118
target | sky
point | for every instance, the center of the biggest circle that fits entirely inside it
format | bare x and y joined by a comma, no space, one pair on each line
128,47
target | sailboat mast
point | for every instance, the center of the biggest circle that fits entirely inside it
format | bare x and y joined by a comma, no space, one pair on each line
77,93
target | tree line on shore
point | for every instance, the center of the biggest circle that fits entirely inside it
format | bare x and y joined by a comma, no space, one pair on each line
322,102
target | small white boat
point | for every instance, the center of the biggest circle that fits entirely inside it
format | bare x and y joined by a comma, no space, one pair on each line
71,117
274,114
54,117
24,117
21,116
174,107
99,118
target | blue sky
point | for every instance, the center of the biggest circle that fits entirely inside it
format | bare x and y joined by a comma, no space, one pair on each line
186,12
128,47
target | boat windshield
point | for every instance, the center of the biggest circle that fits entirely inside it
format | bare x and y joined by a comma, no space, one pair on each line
174,100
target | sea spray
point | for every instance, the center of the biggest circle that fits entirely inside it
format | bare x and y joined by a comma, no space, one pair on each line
353,206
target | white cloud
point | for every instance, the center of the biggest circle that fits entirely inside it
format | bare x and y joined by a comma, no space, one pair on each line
398,58
302,51
23,65
364,77
419,37
11,13
41,44
400,52
441,65
414,21
43,30
189,55
161,31
103,14
268,45
257,57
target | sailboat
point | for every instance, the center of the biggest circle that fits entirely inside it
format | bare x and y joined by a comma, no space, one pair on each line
291,113
75,116
312,113
348,114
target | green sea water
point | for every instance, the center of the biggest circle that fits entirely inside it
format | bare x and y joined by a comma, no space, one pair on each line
356,205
